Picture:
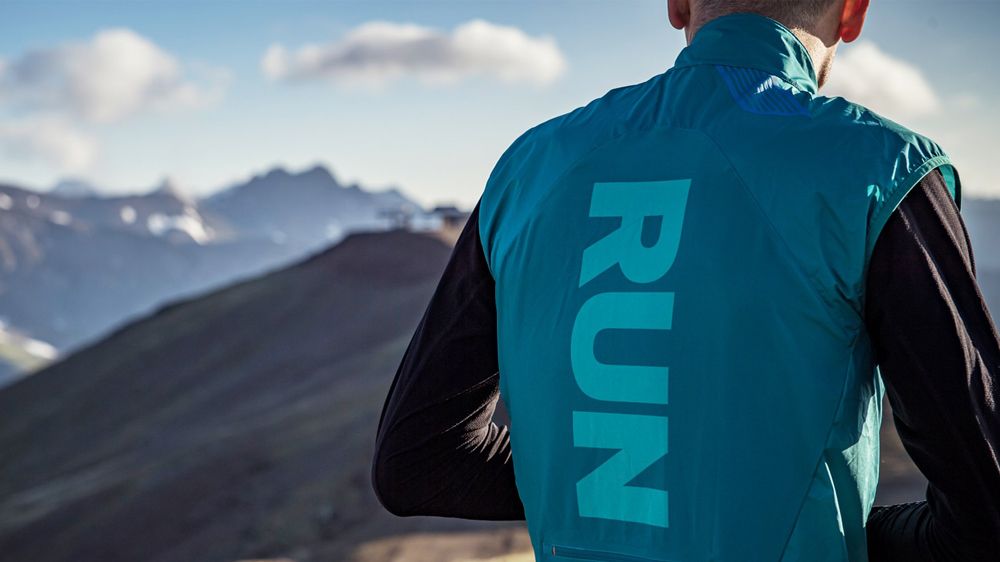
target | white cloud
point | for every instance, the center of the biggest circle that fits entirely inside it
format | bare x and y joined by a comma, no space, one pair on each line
966,101
865,74
115,74
377,53
50,140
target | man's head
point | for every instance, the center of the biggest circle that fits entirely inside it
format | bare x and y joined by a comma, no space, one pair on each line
820,24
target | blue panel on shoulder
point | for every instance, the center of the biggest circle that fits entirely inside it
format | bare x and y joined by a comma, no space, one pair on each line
759,92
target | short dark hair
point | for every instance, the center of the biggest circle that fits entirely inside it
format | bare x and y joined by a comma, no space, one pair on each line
793,13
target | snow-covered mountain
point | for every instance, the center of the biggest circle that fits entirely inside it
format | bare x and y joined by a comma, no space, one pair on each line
303,210
73,188
74,264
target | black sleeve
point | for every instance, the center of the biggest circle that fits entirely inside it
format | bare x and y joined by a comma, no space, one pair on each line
438,451
939,356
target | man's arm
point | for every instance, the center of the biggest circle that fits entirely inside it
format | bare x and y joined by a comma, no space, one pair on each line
438,452
939,356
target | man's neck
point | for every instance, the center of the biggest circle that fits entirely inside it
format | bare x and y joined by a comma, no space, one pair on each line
819,51
821,54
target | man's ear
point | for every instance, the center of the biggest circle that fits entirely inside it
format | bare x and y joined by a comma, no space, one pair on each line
679,12
852,19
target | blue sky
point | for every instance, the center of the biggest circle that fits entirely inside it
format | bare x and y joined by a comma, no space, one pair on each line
203,107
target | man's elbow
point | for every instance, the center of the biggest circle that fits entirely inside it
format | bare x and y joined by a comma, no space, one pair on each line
387,484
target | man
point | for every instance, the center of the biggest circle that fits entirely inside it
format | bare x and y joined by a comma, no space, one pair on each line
682,291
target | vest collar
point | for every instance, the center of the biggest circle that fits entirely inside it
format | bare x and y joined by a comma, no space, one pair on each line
752,41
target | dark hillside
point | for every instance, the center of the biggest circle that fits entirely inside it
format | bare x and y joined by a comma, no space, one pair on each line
235,425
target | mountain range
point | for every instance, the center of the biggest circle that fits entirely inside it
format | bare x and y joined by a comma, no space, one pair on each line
982,218
74,264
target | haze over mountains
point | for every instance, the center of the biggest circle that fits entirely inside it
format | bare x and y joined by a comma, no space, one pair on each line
982,217
74,264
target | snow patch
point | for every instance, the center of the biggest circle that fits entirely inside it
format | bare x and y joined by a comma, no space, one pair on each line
160,224
334,231
61,217
39,349
6,203
34,347
127,214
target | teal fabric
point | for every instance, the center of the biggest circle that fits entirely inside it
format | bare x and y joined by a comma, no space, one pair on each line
680,273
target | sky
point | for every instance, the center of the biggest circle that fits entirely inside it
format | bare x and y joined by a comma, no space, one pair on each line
420,95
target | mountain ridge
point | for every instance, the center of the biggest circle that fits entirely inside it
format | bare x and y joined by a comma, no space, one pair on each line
73,266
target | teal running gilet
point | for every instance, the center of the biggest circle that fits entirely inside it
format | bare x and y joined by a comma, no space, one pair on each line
680,269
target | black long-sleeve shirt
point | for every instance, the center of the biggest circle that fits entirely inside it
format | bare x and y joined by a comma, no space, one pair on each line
938,352
438,451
